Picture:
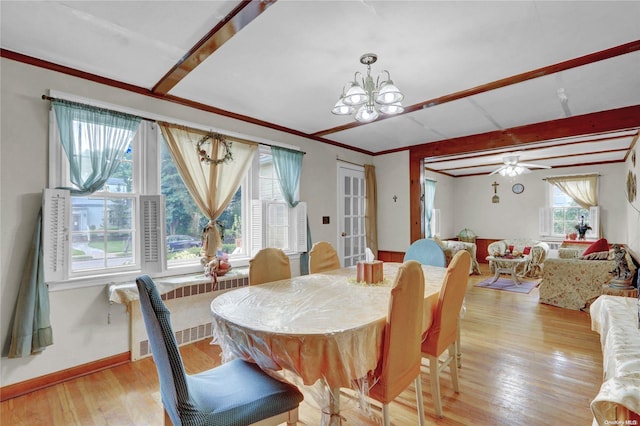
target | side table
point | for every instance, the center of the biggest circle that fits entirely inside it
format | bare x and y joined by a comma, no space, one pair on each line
507,265
624,292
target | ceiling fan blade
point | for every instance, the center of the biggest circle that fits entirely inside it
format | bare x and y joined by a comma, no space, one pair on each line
535,166
498,170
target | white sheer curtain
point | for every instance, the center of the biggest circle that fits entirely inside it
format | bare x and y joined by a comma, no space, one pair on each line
211,183
583,189
429,199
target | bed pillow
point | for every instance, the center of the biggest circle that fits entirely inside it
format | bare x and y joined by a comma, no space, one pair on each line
598,246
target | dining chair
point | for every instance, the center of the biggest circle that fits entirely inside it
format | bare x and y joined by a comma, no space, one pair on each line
444,330
269,264
323,257
400,362
235,393
427,252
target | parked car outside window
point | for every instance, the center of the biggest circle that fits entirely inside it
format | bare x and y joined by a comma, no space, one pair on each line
181,242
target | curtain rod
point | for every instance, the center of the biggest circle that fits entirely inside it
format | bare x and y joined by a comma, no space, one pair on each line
574,175
49,98
155,120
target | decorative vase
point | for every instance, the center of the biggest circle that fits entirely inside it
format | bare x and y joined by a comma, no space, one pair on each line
582,230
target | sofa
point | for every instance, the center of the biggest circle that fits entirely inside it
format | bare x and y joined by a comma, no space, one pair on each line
574,283
451,247
533,267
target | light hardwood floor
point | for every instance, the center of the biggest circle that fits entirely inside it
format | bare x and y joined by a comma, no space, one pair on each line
523,363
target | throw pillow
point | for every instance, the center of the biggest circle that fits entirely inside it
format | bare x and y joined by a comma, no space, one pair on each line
597,255
600,245
526,250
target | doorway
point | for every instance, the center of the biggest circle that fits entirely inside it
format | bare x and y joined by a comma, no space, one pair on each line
351,214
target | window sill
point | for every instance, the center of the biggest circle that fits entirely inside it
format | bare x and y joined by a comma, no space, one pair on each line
181,286
175,274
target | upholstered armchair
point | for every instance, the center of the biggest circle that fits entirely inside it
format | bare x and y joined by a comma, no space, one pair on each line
451,247
537,253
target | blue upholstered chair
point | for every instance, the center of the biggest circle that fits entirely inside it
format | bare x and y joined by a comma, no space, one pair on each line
427,252
235,393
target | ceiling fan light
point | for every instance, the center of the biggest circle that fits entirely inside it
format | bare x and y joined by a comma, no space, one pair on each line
355,95
512,171
395,108
340,108
389,93
366,114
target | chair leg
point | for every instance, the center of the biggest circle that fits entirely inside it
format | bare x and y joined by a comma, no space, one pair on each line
385,415
435,384
458,350
293,417
453,367
167,419
420,401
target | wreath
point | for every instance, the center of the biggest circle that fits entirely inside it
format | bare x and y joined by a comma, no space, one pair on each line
206,158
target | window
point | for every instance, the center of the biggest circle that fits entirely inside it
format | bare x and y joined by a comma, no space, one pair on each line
123,227
562,214
273,222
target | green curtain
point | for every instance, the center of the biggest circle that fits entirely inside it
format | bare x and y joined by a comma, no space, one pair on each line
429,198
31,331
288,166
94,140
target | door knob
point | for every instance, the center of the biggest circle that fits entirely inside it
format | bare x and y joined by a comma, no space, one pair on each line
344,234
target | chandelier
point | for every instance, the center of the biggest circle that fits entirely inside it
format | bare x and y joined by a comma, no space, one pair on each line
367,99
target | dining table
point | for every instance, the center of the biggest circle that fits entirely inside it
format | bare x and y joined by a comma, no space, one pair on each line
322,331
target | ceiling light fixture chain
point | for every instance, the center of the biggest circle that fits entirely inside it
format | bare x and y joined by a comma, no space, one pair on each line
372,98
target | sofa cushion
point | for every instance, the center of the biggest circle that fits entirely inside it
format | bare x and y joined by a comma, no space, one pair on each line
600,245
526,250
597,255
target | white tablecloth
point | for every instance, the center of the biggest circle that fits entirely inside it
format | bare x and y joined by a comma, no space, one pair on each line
318,326
616,320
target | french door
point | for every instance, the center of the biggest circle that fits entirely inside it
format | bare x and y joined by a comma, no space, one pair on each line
351,211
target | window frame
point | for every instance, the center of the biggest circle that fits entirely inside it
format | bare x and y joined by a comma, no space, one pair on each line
547,217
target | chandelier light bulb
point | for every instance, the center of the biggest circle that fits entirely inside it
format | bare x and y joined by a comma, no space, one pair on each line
340,108
366,114
355,95
395,108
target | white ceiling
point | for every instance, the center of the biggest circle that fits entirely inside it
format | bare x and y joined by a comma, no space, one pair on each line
286,67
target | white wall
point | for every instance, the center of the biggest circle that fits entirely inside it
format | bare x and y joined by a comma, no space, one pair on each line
81,331
392,176
516,215
632,208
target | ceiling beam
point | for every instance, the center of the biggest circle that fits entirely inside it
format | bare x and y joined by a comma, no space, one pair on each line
236,20
588,124
515,79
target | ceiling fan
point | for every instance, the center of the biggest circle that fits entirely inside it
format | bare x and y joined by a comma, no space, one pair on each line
512,167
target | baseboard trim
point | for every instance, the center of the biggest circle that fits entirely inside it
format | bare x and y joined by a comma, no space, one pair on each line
22,388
